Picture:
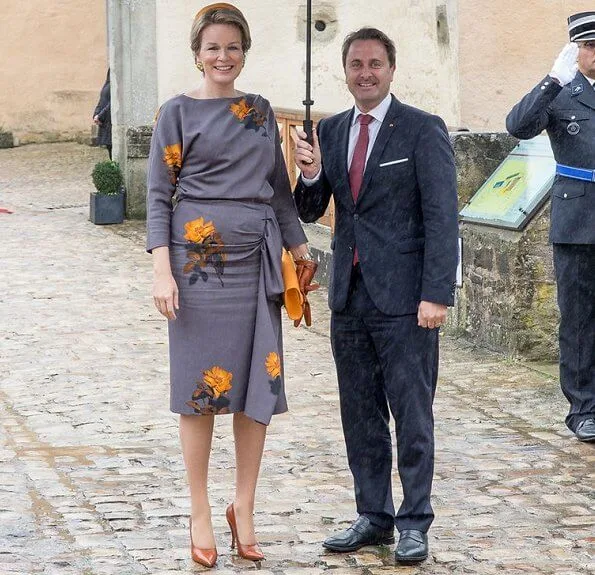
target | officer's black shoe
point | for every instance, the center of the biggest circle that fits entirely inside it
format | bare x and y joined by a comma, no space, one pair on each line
585,430
412,547
360,534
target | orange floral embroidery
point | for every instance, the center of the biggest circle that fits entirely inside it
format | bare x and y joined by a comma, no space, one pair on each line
197,231
250,116
172,156
210,395
273,365
204,247
218,380
241,110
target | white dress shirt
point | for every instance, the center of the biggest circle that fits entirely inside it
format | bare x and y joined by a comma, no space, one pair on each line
378,113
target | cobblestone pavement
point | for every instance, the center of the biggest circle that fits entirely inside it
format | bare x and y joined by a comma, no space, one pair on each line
91,477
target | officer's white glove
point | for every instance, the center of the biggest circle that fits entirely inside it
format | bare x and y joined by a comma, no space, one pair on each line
565,67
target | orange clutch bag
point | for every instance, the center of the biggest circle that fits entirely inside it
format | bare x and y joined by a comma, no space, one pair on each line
292,296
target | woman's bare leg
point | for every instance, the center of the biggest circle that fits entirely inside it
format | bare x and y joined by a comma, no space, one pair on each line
196,432
249,439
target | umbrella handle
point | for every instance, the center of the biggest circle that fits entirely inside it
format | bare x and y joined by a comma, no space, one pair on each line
308,127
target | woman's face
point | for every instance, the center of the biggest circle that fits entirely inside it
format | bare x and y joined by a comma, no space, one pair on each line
221,53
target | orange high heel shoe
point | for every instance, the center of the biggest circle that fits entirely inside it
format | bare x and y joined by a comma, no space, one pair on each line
206,557
251,552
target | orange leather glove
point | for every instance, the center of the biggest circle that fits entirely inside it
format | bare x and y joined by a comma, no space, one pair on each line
305,270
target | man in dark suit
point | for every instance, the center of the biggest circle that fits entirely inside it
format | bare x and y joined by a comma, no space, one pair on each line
102,117
563,104
391,171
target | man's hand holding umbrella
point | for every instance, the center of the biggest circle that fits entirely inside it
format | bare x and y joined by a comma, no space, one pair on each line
307,157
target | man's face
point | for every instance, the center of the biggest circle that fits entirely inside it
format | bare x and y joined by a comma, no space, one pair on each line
368,73
586,58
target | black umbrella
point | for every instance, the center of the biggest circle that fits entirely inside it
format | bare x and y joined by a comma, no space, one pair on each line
308,102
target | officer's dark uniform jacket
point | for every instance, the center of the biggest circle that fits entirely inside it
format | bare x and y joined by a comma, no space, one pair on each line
568,115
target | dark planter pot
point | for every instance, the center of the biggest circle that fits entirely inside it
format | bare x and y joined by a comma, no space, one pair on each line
6,140
106,209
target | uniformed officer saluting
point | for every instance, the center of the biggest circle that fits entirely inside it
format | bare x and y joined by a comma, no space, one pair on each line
564,105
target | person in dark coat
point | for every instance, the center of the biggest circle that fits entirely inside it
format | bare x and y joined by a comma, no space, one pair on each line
102,117
563,104
391,171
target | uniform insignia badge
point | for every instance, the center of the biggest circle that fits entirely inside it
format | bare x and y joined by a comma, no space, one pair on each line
577,89
573,128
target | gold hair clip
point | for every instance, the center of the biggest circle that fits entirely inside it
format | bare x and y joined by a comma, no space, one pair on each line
216,6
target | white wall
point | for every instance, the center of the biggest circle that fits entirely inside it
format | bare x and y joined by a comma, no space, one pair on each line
53,64
427,74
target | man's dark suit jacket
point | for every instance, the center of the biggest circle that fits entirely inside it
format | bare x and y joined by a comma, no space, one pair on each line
568,115
404,222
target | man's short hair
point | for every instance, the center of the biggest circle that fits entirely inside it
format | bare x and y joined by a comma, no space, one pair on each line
370,34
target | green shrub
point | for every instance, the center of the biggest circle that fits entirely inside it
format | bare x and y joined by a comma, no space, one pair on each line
107,177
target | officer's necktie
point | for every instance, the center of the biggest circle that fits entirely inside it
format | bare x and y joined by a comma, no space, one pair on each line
358,162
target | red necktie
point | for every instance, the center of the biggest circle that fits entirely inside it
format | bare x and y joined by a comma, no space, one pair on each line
358,162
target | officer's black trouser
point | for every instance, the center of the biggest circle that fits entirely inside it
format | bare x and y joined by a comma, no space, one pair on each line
575,276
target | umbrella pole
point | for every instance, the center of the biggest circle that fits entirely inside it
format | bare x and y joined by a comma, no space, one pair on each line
308,102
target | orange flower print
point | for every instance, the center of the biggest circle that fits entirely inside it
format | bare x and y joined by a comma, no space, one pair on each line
172,156
249,116
195,259
218,380
241,110
273,365
204,247
197,231
209,397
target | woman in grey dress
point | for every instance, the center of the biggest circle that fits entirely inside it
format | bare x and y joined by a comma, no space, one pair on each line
217,266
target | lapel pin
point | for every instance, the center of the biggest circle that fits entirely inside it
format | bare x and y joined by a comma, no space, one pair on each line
577,89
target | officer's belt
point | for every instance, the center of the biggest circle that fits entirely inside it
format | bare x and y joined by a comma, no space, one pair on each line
575,173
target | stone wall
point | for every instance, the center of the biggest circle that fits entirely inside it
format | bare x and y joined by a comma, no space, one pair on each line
507,301
138,143
508,298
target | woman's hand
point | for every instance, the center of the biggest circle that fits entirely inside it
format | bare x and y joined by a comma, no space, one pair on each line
165,295
165,289
300,252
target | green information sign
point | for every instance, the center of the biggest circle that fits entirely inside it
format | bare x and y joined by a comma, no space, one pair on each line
517,188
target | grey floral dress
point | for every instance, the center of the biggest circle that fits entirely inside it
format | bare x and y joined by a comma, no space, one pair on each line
219,197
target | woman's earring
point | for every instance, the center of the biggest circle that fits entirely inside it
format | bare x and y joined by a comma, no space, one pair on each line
243,60
200,65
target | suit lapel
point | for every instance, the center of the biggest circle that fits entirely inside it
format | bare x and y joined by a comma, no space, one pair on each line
586,95
338,157
384,135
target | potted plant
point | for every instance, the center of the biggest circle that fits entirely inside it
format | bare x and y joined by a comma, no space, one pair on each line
107,203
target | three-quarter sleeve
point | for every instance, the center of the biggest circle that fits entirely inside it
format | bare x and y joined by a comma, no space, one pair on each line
165,162
282,200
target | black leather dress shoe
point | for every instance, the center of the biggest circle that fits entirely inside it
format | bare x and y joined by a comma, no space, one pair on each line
585,430
412,547
360,534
